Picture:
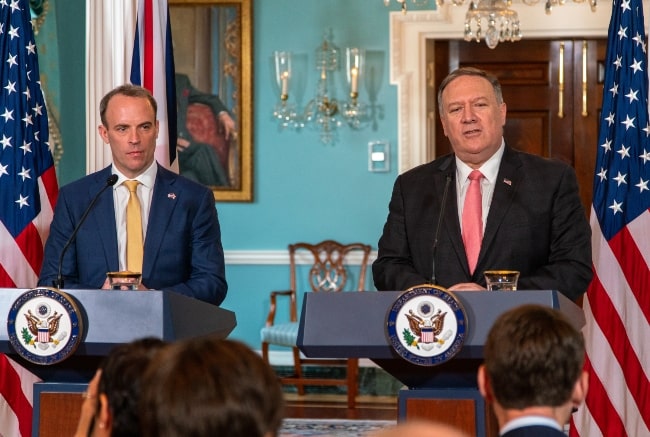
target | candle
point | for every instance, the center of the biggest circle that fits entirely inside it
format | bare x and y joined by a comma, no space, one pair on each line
354,73
285,83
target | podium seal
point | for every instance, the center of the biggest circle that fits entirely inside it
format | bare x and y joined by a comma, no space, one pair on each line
426,325
44,326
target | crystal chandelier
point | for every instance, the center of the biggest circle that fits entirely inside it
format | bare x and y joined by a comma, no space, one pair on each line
324,112
492,20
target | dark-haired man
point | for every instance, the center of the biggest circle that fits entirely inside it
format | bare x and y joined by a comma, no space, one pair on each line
180,247
533,372
486,206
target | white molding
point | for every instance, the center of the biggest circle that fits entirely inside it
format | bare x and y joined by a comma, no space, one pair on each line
278,257
409,33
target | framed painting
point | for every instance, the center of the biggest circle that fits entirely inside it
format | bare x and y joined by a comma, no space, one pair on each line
212,54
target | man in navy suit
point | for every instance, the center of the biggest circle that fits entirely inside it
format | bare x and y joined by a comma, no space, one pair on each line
182,237
533,371
532,218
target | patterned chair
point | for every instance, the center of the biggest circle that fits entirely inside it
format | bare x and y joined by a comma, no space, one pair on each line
329,272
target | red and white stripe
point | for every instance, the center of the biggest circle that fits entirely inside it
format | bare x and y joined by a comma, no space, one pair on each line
16,398
617,311
21,258
426,336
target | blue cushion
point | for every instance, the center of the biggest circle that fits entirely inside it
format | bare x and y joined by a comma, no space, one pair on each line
283,334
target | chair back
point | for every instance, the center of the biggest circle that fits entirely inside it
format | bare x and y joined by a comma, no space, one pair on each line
330,264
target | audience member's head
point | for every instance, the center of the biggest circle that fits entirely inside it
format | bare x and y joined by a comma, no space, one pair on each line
419,428
111,406
208,387
120,383
533,365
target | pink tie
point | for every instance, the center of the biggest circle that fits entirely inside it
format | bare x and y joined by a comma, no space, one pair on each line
473,219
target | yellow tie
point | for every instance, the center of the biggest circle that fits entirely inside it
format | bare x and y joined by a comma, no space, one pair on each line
134,245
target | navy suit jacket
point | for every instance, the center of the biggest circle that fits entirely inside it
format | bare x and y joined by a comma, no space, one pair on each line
534,431
536,224
182,248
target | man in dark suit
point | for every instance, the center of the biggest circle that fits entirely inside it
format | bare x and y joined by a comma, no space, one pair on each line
531,217
533,372
182,249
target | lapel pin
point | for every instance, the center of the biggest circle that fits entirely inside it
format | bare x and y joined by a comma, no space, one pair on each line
507,181
171,196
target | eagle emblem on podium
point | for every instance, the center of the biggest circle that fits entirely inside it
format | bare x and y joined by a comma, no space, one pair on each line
426,325
427,328
43,329
44,325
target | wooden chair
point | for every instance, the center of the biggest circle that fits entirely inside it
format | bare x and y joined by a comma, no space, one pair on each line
329,272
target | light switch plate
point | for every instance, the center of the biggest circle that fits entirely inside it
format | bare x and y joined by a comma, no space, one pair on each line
379,156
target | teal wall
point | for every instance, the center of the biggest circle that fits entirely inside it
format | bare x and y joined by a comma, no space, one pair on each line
303,190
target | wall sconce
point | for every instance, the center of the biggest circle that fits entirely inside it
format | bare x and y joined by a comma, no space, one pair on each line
284,111
354,111
324,112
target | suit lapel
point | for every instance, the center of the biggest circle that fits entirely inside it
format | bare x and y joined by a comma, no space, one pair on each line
163,202
508,180
450,224
103,216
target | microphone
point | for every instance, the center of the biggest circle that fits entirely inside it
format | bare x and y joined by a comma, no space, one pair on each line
435,238
58,282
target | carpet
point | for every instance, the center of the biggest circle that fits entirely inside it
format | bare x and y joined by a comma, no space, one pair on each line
331,427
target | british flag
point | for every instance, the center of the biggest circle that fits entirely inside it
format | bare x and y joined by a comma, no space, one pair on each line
152,67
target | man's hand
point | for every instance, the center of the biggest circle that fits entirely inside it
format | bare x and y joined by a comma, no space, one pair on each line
89,407
182,144
228,124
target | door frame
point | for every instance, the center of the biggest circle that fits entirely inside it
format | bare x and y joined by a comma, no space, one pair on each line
408,70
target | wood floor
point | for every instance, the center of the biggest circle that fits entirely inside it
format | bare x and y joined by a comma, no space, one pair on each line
329,406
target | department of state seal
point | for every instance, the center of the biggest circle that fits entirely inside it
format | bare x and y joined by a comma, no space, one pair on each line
44,326
426,325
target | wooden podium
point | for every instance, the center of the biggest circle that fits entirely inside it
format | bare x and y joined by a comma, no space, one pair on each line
350,324
110,318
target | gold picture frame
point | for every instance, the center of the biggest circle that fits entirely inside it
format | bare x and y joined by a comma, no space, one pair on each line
212,42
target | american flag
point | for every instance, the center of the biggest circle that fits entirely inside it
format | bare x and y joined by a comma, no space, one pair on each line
28,189
16,387
617,303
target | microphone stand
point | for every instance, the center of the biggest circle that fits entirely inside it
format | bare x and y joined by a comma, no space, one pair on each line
58,282
438,226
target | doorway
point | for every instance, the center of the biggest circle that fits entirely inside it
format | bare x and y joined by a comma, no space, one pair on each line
553,91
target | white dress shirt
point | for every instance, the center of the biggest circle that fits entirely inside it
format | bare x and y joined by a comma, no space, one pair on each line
121,197
529,421
490,170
